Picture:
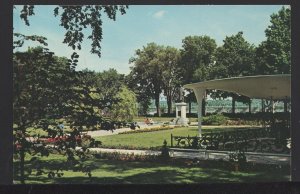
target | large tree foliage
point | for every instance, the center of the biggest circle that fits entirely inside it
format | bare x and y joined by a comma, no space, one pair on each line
172,78
126,108
48,89
109,88
43,87
109,82
146,74
156,70
38,75
274,54
234,58
143,94
197,59
45,91
74,19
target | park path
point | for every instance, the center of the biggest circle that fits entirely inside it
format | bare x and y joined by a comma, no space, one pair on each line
263,158
99,133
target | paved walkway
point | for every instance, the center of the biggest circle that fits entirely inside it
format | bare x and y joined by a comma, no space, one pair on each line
117,131
105,133
205,155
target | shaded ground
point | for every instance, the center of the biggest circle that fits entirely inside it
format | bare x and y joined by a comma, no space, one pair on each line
119,172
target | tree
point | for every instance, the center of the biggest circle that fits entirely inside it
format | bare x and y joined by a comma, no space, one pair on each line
146,74
171,74
109,87
47,88
274,54
76,18
143,94
234,58
42,86
109,83
197,58
103,87
126,108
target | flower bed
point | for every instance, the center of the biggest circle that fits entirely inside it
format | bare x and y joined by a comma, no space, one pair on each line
129,147
126,157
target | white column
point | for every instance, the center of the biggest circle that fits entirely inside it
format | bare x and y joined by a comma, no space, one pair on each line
199,92
200,118
176,112
183,111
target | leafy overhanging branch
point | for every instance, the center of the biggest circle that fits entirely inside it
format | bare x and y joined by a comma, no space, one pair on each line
74,19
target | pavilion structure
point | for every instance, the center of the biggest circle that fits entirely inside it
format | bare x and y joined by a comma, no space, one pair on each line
271,87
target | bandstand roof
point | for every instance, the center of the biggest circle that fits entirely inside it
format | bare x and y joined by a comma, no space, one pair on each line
261,86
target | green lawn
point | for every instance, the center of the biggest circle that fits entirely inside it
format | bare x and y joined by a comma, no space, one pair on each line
156,138
107,172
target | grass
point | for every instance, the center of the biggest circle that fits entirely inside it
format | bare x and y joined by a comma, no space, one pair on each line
156,138
125,172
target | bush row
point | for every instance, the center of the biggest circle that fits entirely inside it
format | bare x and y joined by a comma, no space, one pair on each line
129,147
125,157
189,115
220,119
214,120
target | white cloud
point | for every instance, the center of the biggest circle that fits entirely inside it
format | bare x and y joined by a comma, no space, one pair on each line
159,14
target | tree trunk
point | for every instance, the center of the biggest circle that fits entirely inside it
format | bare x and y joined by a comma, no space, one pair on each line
22,164
250,106
262,105
169,102
203,107
157,105
22,156
285,106
272,106
233,105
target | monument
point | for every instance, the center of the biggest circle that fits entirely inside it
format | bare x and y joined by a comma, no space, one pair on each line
181,110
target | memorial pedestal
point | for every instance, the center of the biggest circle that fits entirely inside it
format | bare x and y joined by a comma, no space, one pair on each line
181,119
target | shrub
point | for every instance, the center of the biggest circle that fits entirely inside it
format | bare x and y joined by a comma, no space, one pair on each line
129,147
192,115
125,157
217,119
165,151
237,159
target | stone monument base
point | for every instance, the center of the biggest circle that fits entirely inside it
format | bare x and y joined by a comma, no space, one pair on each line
181,119
182,122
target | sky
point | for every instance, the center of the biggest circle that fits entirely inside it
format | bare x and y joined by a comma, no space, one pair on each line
163,24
